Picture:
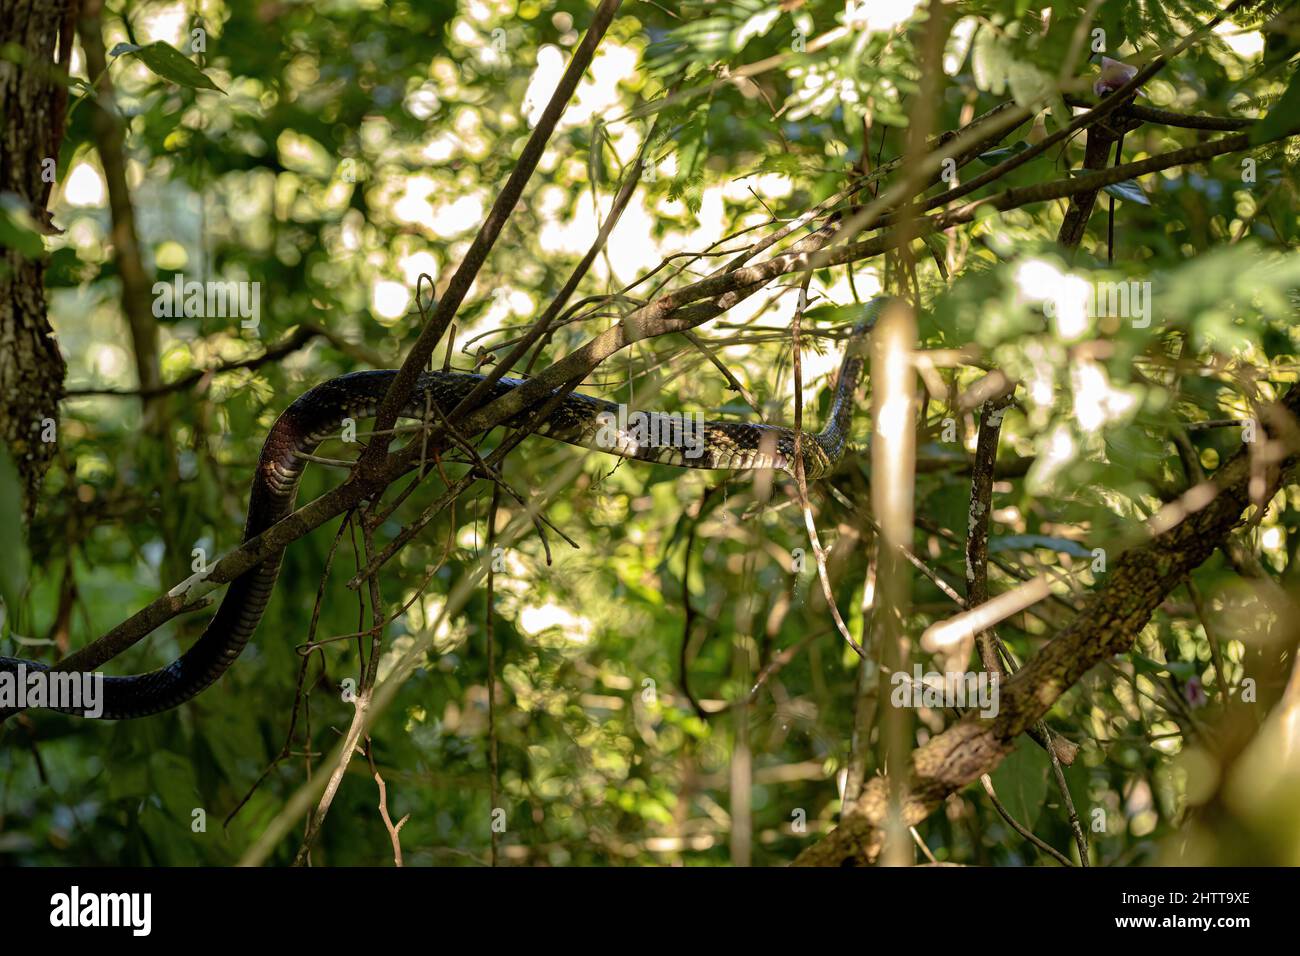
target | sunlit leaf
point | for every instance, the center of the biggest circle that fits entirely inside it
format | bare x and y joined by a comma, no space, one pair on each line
1283,117
169,63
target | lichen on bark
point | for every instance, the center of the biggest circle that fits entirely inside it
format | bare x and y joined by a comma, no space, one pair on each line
33,99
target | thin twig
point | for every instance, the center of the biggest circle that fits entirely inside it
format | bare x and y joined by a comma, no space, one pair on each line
489,637
1047,848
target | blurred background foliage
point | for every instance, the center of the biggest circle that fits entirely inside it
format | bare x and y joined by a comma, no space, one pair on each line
358,145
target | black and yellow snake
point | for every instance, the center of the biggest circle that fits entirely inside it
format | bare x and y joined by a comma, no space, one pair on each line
319,414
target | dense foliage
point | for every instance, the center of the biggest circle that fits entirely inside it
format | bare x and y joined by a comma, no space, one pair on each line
352,146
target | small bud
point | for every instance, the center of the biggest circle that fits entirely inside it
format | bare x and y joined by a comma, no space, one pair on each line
1114,74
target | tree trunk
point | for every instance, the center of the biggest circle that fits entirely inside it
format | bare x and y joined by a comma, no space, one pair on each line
110,142
33,99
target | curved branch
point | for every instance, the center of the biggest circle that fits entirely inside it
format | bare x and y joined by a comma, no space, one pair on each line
300,337
404,384
1140,579
681,309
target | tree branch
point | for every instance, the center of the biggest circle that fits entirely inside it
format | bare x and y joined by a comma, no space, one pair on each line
404,383
1140,579
681,309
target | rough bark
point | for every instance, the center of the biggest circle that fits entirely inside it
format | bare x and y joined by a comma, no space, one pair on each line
1139,580
977,526
1096,156
32,104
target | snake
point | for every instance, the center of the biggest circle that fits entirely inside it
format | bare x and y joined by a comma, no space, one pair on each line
321,413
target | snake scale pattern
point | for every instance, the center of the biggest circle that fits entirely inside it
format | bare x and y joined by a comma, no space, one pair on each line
319,414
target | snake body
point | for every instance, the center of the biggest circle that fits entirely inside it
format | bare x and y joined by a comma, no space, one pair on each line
321,412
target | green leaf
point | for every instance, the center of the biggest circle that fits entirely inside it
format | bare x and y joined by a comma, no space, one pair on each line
1145,665
756,26
1021,783
1183,670
1129,191
169,63
597,172
66,269
1028,84
990,61
1135,450
13,53
13,544
1283,117
995,156
688,184
17,230
1025,542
